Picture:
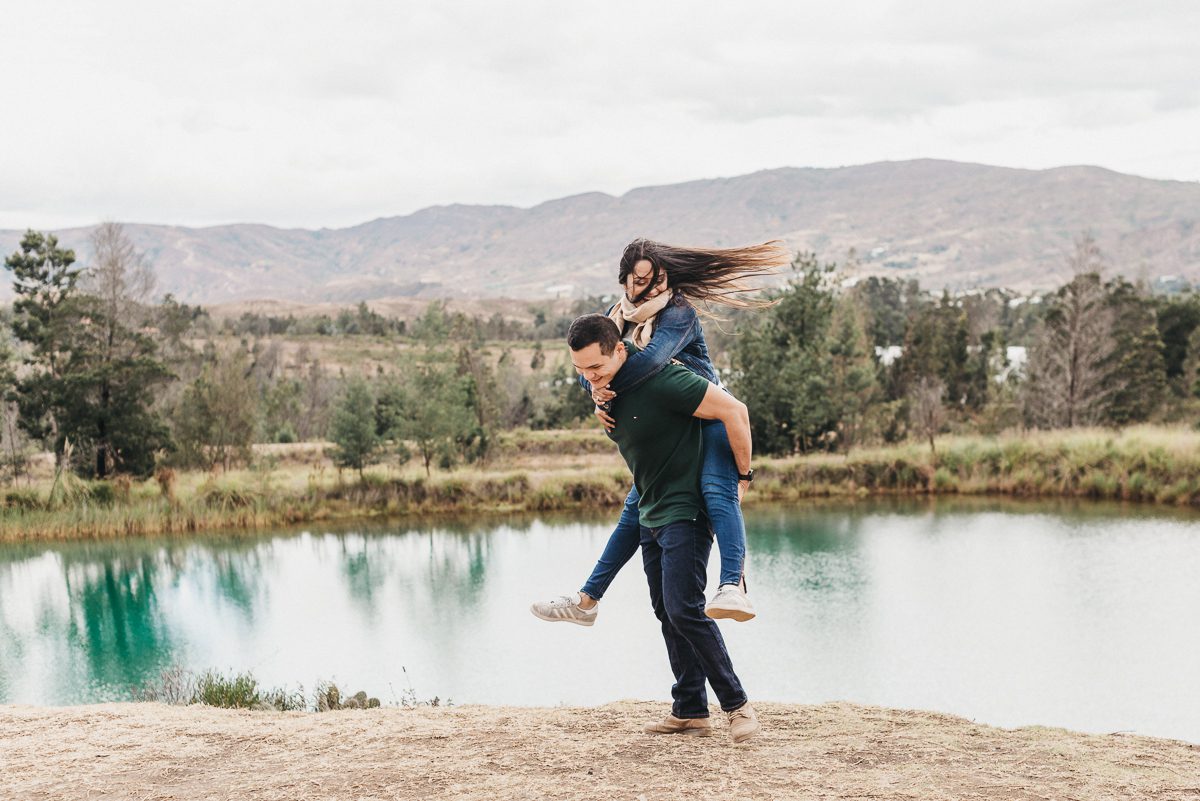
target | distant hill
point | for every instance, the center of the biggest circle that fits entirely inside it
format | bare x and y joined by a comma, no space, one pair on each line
946,223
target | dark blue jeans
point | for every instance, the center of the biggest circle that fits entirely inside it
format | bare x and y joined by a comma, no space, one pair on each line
718,486
676,559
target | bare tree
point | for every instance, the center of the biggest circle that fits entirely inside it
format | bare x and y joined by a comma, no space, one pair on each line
119,275
925,411
1068,377
122,282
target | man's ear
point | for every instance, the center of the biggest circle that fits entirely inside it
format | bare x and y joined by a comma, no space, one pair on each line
620,348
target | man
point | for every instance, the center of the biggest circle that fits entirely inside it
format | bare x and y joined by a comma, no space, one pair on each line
658,433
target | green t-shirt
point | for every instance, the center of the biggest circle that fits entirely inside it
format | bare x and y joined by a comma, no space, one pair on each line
661,442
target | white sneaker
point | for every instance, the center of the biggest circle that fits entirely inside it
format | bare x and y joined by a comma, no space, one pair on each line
565,609
730,602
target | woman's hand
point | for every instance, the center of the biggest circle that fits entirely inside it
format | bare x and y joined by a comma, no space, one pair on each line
602,395
605,419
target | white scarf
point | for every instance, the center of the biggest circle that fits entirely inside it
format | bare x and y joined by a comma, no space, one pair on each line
641,317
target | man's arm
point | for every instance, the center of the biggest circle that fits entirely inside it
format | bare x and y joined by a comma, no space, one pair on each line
720,405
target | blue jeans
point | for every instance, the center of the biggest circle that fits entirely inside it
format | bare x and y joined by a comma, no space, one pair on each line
675,558
718,486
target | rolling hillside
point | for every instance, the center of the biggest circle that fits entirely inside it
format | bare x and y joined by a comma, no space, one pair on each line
948,224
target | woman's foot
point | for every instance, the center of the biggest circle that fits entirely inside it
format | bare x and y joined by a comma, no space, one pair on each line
730,602
566,609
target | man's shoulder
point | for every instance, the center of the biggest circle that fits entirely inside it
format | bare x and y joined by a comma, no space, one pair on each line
673,373
676,381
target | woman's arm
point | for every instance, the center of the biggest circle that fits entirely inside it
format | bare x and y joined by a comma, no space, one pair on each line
674,328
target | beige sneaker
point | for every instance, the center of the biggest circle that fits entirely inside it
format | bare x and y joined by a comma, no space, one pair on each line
565,609
696,727
743,723
730,602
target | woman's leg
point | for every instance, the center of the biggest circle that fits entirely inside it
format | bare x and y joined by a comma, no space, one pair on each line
622,545
719,485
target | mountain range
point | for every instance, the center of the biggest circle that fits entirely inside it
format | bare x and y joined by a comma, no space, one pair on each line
947,224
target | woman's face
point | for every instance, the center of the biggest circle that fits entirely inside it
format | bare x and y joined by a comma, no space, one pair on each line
639,278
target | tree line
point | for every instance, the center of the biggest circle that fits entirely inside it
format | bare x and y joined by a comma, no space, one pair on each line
111,381
828,368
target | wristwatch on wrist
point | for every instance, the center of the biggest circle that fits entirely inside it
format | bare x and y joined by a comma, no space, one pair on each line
747,476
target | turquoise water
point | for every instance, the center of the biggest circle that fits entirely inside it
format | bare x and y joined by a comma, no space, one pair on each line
1086,617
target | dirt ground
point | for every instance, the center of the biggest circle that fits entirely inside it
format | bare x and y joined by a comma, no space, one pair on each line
832,751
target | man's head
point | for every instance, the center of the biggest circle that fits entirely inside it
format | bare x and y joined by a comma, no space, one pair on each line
596,348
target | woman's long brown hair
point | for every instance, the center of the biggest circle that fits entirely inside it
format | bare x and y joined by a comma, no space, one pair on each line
708,275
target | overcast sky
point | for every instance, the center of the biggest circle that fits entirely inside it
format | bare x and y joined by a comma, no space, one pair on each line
311,114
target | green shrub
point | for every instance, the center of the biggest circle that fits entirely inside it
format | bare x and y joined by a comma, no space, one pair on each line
943,481
101,493
225,497
23,499
235,692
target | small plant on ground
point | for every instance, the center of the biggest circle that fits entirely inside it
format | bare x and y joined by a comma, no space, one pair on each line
328,698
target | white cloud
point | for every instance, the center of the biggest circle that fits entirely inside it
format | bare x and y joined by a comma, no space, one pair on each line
305,113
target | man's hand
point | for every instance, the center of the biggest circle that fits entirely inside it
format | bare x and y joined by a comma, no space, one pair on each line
601,396
605,419
742,487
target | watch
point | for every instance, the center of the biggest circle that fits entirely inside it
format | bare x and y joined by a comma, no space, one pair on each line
747,476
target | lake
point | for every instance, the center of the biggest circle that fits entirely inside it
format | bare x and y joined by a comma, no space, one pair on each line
1083,616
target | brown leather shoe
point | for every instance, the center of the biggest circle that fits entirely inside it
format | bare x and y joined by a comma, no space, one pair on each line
696,727
743,723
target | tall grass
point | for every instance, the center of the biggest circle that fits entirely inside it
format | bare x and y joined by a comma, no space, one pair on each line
234,503
1145,464
1139,464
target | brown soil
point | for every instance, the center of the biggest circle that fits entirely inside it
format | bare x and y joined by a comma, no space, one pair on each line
842,751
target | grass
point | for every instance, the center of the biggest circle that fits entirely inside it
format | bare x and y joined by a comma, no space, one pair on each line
242,691
570,470
1149,464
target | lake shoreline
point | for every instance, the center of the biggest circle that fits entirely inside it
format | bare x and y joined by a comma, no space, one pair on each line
827,751
541,473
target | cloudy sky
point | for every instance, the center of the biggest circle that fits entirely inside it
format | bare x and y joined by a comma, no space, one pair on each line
313,114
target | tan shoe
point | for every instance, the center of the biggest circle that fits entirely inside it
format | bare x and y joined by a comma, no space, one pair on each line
696,727
743,723
730,603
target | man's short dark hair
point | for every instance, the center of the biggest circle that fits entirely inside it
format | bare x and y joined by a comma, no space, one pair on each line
592,328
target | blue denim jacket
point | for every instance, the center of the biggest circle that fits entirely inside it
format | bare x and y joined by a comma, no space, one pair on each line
677,335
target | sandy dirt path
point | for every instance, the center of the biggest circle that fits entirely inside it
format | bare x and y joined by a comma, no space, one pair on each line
833,751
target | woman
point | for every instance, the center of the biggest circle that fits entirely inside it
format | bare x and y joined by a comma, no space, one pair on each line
661,282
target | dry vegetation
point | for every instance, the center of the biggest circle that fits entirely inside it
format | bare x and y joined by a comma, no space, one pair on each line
566,470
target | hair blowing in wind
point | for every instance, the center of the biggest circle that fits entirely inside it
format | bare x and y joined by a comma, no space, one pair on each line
709,275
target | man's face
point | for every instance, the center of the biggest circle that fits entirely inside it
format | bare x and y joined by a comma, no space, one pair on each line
597,368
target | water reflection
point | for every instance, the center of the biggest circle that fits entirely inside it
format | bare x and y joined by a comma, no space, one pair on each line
1064,614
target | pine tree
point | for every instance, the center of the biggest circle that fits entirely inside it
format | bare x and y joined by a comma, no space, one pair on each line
1190,369
852,386
44,282
352,428
781,364
1137,374
936,345
115,361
